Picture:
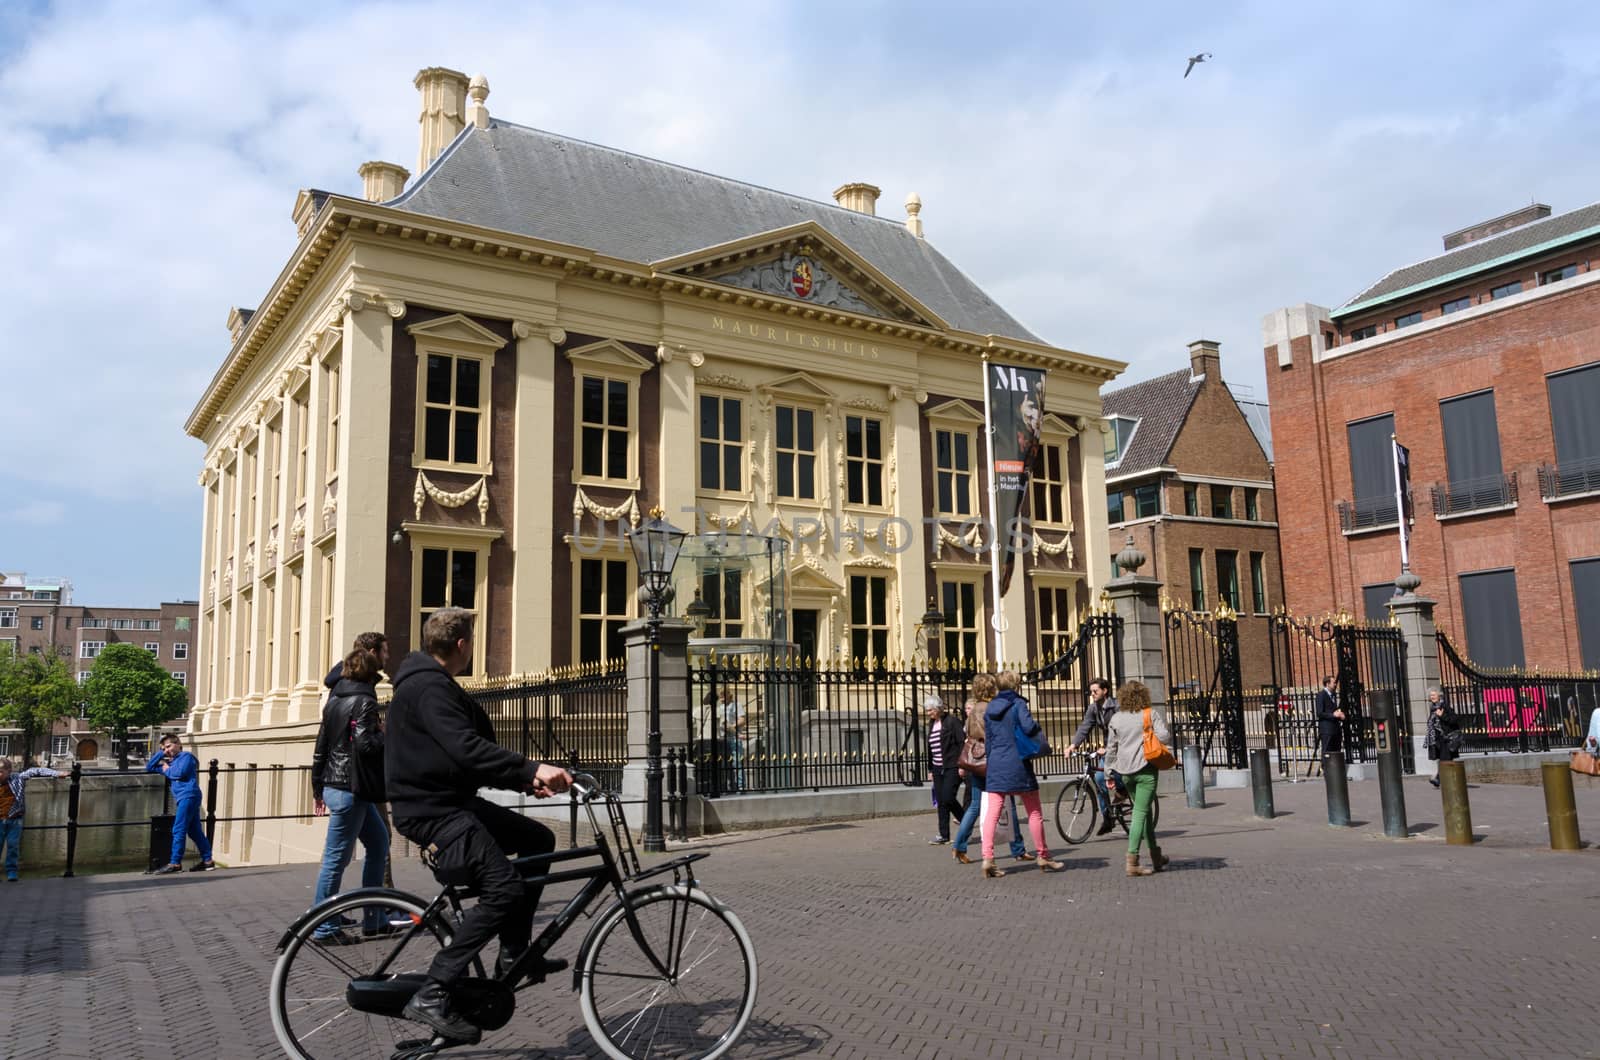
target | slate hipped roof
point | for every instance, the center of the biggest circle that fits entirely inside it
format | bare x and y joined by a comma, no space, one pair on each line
1160,405
1523,240
511,178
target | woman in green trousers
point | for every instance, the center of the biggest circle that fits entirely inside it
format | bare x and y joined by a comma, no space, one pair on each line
1125,755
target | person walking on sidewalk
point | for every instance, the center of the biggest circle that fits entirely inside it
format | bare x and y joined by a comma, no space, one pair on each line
1330,718
945,737
347,784
183,774
1444,731
1008,773
12,787
974,751
1125,754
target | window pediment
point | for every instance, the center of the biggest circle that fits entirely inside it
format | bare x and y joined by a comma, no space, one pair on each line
798,385
955,412
611,356
456,332
1054,424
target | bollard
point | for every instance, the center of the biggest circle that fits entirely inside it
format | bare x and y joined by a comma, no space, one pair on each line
1560,807
1261,782
1333,780
1194,778
1457,813
211,802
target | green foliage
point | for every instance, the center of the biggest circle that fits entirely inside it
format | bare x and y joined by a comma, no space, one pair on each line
128,689
35,690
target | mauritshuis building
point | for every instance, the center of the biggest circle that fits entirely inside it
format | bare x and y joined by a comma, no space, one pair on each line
460,383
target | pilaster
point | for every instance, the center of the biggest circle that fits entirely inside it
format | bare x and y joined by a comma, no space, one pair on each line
1092,458
533,518
362,463
905,495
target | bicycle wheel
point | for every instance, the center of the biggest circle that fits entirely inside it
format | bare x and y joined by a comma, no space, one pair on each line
1076,807
310,993
699,1007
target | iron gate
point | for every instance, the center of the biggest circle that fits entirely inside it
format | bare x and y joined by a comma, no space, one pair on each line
1364,657
1205,690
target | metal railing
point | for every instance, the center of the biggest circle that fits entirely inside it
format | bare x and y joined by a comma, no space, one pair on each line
1367,513
578,715
1474,494
1569,478
1514,709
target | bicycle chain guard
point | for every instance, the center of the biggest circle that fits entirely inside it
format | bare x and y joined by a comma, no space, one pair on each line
486,1003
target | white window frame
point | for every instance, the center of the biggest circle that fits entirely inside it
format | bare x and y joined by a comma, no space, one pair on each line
1063,635
976,631
1122,450
456,336
153,647
60,746
869,465
869,627
454,539
610,361
89,649
723,444
180,649
8,618
795,453
956,418
181,677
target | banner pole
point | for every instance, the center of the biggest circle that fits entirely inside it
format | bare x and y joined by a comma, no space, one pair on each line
996,615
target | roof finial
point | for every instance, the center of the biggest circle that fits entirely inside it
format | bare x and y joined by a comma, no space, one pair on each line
913,210
478,89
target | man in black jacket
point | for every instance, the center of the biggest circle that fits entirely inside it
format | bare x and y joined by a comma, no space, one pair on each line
439,749
1330,718
1097,716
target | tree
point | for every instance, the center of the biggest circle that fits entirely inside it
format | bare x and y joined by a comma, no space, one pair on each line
128,689
35,690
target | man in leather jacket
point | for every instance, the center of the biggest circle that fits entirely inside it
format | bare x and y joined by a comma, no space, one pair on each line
1102,705
347,782
439,750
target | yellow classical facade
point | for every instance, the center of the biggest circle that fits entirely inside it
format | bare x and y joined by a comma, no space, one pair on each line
453,393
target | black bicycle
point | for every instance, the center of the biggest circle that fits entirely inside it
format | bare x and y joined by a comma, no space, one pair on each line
1077,807
665,970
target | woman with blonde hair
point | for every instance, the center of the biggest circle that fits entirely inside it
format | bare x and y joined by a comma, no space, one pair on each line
1009,773
1125,755
976,785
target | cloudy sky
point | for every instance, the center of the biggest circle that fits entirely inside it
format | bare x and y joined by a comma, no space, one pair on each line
153,151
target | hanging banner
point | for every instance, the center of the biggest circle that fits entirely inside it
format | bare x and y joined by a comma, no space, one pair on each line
1015,404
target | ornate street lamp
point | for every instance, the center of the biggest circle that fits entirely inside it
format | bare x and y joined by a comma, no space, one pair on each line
933,628
698,613
656,545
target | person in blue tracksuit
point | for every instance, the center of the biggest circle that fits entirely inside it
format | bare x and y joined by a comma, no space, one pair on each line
183,773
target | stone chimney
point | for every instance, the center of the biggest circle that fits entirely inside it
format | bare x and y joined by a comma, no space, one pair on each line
862,198
382,181
444,110
914,214
1205,360
237,319
1536,211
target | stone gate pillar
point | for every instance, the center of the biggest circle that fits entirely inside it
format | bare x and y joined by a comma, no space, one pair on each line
1415,615
672,670
1137,601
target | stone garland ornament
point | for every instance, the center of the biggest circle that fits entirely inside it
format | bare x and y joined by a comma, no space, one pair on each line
969,539
330,505
581,503
426,490
1049,549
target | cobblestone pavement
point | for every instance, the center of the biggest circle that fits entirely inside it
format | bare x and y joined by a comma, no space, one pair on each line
1265,939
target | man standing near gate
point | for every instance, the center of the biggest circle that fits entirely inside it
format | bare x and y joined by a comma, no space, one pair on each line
1330,718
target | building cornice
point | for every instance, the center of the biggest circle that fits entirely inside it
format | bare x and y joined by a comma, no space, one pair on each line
340,216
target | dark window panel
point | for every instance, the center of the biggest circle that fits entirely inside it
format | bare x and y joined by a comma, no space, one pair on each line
616,587
1372,470
594,444
591,585
1408,319
466,438
464,579
617,454
1456,305
438,380
435,574
467,371
617,403
436,434
1506,289
1492,618
594,400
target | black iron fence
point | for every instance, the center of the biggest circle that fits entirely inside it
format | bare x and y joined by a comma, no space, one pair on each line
577,716
1513,709
762,724
1205,697
1475,494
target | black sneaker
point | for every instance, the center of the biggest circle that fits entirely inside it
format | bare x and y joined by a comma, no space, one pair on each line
938,841
1106,825
203,866
430,1006
168,870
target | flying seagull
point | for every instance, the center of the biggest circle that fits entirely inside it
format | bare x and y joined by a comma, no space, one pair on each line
1193,59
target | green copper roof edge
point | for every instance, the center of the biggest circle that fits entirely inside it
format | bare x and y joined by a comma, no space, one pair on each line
1504,259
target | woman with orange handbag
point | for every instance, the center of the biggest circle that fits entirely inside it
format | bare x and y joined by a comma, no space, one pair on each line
1137,741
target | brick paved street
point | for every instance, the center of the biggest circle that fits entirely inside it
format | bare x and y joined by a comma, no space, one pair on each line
1281,939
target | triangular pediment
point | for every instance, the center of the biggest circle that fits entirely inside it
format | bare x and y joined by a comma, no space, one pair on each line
805,264
800,385
805,578
456,330
1054,424
609,353
956,411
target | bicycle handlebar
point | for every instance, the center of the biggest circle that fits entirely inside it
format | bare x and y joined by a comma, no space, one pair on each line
584,787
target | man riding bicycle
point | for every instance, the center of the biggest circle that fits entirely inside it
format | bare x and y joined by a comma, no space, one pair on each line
1098,716
439,749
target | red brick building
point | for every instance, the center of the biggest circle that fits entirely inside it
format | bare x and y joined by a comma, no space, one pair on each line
1189,477
38,615
1485,362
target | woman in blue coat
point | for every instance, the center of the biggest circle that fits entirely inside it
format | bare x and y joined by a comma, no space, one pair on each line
1008,772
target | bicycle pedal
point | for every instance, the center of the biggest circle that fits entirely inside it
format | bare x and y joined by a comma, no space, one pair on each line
419,1048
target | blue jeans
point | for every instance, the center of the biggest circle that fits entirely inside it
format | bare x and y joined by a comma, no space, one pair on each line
349,819
970,819
186,825
11,842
